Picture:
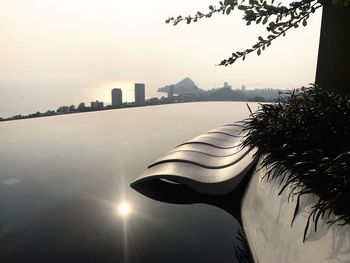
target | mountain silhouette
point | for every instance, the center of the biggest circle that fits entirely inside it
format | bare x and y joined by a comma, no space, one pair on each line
185,86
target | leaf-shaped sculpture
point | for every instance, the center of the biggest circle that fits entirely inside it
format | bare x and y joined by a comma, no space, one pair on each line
213,163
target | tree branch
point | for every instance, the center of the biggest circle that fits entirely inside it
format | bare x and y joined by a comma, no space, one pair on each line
259,11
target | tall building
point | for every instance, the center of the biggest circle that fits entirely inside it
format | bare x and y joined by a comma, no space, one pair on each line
171,92
117,97
243,88
139,94
96,104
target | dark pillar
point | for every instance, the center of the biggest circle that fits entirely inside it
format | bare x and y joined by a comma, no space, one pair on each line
333,65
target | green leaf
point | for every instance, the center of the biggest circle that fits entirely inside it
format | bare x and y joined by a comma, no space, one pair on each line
242,7
259,52
265,20
258,20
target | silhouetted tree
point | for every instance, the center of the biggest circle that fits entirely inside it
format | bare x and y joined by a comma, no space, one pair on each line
81,106
334,51
71,108
62,109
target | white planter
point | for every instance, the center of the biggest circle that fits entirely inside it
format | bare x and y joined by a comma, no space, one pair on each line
267,222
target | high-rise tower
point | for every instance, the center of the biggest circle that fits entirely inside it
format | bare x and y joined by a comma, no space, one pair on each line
117,97
139,94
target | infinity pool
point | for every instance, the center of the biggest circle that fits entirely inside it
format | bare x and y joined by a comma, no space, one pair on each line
65,194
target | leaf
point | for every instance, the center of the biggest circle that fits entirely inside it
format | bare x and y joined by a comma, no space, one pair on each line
265,20
304,22
306,228
242,7
259,52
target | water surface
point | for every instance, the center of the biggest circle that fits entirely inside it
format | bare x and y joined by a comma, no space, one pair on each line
62,179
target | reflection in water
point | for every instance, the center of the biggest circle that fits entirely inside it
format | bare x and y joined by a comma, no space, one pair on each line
177,193
79,193
124,208
242,250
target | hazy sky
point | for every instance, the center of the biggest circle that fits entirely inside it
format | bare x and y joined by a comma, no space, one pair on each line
64,52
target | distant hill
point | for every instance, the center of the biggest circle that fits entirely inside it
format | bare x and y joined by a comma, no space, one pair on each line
225,94
185,86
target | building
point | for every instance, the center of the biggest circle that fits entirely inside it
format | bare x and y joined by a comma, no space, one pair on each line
117,98
139,94
96,104
171,92
227,86
243,88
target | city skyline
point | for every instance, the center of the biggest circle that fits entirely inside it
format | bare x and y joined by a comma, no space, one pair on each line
47,60
174,95
130,94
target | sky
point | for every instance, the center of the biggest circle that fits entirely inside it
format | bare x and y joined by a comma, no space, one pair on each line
55,53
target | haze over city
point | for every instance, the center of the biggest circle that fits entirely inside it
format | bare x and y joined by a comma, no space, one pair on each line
65,52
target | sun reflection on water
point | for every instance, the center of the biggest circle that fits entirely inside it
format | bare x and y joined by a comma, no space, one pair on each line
123,208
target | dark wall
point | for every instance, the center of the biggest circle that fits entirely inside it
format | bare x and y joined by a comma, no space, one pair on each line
333,66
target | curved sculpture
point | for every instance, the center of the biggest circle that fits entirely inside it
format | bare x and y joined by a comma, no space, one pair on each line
201,159
207,149
213,163
233,129
217,140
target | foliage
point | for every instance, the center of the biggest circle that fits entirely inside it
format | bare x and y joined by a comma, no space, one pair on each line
304,140
277,18
242,250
